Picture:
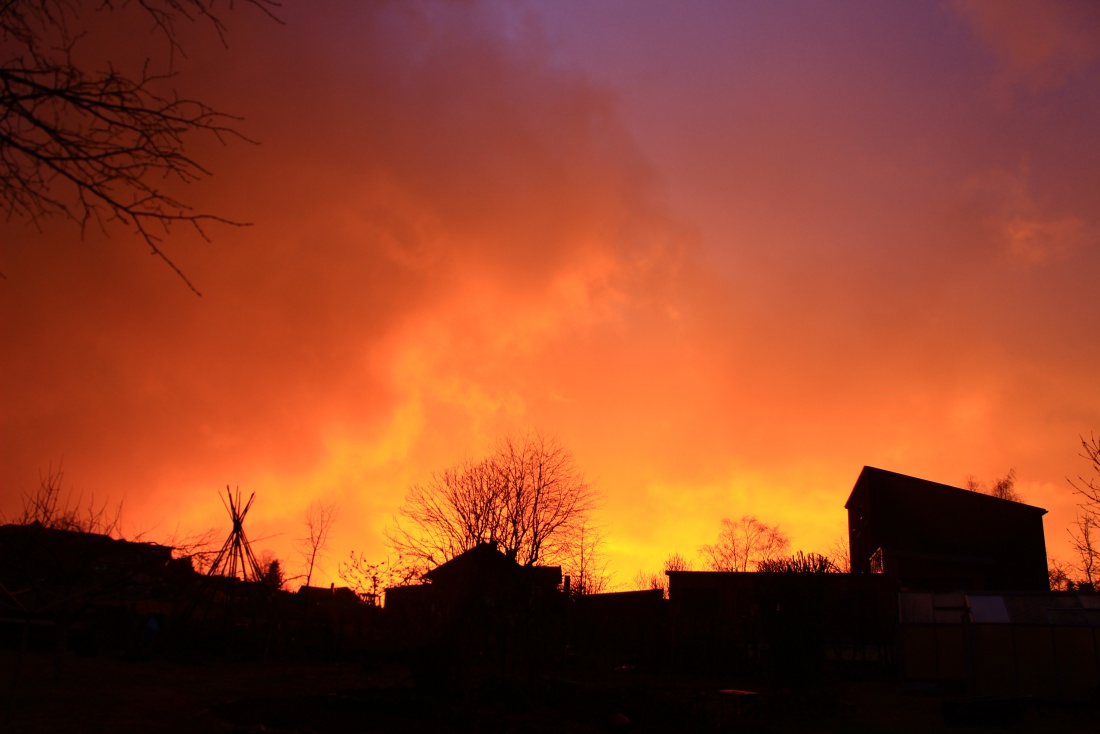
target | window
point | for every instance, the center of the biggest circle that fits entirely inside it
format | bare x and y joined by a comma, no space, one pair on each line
876,561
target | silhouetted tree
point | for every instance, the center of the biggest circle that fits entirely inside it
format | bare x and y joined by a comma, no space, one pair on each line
674,562
645,581
1085,537
586,565
1003,488
841,555
370,580
1059,575
1089,488
744,544
90,140
319,520
798,563
53,507
272,576
1085,541
528,496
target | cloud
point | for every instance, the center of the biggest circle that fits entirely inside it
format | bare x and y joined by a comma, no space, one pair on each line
434,208
1024,231
1037,43
456,235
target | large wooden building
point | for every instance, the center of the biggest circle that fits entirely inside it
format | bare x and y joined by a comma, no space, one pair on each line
933,537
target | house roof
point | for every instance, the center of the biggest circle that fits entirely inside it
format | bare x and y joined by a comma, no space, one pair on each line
485,559
909,486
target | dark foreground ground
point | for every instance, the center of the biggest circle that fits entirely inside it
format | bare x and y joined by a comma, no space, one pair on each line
163,697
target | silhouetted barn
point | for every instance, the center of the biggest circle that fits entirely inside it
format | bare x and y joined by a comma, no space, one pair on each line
933,537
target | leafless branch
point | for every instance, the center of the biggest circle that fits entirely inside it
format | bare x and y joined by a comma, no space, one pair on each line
1089,488
528,496
101,145
744,544
319,520
53,507
1003,488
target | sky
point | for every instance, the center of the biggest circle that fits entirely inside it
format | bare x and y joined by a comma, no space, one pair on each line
727,253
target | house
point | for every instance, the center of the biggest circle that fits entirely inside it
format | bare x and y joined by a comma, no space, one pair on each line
933,537
479,605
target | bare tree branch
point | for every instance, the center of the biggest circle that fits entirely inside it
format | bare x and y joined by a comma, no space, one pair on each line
586,565
744,544
54,508
528,497
1085,542
1089,489
319,520
101,145
1003,488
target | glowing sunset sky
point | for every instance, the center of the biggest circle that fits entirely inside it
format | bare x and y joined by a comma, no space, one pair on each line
728,253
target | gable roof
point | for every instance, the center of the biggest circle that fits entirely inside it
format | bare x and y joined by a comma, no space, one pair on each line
909,487
486,561
482,558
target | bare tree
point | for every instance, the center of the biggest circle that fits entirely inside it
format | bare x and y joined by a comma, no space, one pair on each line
1085,541
1085,537
1059,577
319,520
840,554
1089,488
1003,488
528,496
96,143
199,549
744,544
51,506
587,566
370,580
652,581
675,562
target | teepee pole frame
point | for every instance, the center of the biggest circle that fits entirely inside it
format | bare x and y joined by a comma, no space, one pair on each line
235,559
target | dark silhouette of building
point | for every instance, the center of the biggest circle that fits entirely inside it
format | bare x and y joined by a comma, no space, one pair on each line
1002,644
755,622
933,537
82,588
478,606
620,628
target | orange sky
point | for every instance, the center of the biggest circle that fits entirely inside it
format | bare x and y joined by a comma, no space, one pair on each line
729,253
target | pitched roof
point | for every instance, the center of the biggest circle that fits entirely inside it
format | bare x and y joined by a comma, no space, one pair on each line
909,486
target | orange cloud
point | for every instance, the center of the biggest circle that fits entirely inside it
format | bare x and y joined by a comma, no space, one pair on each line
727,283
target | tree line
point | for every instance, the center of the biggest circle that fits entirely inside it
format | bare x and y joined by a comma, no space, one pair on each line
528,497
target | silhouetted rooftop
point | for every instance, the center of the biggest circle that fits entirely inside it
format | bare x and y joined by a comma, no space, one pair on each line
893,482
